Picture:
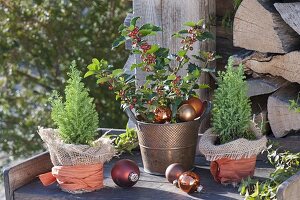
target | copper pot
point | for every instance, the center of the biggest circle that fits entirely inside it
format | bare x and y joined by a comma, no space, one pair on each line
164,144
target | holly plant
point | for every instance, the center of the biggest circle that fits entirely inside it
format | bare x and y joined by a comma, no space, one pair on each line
164,87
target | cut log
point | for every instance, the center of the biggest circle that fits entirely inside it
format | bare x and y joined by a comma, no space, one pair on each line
258,26
286,66
264,85
290,13
283,120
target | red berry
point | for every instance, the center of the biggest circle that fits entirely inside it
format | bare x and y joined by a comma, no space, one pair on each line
131,107
110,87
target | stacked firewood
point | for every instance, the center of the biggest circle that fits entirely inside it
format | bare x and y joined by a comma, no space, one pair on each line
270,32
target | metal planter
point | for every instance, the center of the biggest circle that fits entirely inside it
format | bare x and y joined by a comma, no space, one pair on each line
164,144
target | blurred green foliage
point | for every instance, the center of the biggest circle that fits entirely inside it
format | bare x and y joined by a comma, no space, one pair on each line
38,41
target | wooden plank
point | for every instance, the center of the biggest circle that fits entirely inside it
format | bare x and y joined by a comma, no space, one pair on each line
283,120
289,189
223,7
150,12
286,66
148,186
264,85
21,174
258,26
290,13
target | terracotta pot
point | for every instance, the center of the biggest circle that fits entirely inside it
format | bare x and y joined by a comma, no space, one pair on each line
227,170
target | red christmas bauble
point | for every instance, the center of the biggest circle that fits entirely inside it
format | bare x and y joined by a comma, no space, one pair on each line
125,173
162,114
173,172
189,182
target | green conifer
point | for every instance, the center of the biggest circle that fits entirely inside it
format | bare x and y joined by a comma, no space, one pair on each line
76,118
231,111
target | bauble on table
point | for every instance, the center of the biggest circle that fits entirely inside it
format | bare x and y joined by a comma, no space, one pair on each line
125,173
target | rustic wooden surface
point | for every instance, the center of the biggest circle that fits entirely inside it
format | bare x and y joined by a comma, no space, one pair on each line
148,187
258,26
281,118
286,66
20,174
290,13
264,85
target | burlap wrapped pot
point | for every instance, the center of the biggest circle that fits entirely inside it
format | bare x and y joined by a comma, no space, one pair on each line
77,168
235,160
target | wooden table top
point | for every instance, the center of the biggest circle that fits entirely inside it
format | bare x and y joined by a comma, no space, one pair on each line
148,186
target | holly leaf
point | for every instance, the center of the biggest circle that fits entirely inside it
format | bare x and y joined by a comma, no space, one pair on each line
171,77
150,27
192,67
200,22
121,28
204,36
120,40
146,32
191,24
162,52
117,72
133,21
183,32
103,80
181,53
153,48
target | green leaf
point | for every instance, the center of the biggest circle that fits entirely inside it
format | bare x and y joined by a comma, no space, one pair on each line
89,73
183,32
117,72
151,27
200,22
153,48
92,66
191,24
133,66
95,61
181,53
136,51
120,40
162,52
133,21
192,67
103,80
171,77
204,36
121,27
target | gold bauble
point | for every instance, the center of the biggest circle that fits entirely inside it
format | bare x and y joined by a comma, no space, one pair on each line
186,113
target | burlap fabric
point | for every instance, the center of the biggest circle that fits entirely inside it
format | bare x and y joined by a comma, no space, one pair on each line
237,149
71,154
77,168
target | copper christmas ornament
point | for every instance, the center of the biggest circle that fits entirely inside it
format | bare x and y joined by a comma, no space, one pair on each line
125,173
162,114
189,182
173,172
197,104
186,113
